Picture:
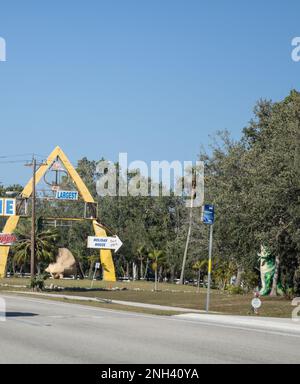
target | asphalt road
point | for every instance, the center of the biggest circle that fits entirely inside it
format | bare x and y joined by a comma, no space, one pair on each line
44,331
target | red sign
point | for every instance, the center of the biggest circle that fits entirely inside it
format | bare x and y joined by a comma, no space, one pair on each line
6,239
57,167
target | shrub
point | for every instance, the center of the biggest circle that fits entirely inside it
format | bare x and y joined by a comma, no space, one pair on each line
235,290
250,280
37,283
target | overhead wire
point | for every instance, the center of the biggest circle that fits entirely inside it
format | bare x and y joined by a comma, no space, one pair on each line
13,161
9,159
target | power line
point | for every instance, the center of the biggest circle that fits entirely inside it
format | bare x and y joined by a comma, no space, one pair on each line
15,155
14,161
22,155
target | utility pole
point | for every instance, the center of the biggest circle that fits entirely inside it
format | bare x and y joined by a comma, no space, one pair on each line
33,164
32,259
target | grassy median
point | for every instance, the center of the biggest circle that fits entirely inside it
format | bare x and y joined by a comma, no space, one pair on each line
168,294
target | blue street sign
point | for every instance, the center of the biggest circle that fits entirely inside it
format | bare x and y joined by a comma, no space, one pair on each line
208,214
67,195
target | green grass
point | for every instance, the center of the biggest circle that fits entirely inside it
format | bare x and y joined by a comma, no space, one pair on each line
143,285
169,294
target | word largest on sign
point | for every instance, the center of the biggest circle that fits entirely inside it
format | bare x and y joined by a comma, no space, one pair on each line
67,195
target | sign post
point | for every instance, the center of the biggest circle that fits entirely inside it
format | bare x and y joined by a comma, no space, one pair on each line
94,242
97,266
209,267
208,217
256,303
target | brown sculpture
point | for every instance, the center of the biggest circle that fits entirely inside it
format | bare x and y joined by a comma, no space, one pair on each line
65,265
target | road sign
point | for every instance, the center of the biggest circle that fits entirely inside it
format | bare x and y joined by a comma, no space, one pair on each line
67,195
208,214
105,243
7,239
7,207
256,303
56,166
97,266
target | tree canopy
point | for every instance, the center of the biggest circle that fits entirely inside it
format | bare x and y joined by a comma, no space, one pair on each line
254,184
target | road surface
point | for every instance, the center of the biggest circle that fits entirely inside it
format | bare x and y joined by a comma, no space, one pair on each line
44,331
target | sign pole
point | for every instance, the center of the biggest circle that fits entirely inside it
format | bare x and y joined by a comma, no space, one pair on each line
34,166
209,266
97,266
92,283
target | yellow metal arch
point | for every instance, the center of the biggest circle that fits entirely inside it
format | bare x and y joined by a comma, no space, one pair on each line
58,153
105,255
12,222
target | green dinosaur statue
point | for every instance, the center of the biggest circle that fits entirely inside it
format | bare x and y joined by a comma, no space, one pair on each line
267,271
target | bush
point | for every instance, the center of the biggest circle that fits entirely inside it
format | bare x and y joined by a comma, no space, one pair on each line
297,282
289,293
235,290
37,283
250,280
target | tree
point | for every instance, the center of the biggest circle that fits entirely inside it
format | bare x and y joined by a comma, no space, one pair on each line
275,182
199,266
254,183
255,186
46,246
157,258
141,257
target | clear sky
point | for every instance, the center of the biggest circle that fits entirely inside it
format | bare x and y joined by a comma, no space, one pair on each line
152,78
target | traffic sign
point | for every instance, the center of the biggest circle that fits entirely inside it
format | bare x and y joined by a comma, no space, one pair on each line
208,214
105,243
256,303
97,265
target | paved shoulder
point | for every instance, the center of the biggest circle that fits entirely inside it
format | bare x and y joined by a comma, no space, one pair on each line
270,324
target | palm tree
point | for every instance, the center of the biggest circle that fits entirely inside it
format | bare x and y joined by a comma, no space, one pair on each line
140,251
45,246
199,265
157,258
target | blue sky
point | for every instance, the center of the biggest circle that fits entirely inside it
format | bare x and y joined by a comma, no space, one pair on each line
151,78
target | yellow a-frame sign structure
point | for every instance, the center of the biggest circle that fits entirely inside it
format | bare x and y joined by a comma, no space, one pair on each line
12,222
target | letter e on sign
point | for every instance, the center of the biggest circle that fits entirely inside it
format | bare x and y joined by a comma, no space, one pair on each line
10,207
